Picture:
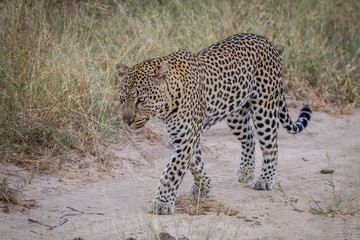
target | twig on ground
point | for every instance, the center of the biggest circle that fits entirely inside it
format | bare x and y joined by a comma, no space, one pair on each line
62,221
80,212
49,227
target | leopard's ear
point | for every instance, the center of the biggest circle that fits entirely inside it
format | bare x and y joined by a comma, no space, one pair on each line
122,69
161,74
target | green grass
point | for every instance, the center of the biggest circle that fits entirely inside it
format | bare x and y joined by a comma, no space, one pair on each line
281,189
334,209
316,209
337,207
58,86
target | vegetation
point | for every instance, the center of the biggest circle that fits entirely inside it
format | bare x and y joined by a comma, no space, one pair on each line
8,194
58,86
332,210
337,207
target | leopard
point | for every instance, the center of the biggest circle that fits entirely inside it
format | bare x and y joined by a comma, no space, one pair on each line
238,80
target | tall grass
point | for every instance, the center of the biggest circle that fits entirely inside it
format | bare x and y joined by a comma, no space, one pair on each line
57,81
57,93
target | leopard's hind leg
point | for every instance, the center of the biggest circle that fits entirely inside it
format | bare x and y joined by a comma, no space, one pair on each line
266,124
240,125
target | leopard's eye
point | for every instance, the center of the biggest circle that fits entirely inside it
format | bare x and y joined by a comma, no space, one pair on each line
122,98
141,99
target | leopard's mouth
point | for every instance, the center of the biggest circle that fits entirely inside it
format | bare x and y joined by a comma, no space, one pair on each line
138,124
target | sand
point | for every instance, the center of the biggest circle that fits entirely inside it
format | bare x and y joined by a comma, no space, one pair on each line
113,204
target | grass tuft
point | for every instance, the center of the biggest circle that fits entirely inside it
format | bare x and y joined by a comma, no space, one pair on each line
337,208
8,195
56,97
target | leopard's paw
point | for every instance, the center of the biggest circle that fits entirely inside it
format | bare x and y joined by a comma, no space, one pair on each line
161,208
262,184
203,192
245,176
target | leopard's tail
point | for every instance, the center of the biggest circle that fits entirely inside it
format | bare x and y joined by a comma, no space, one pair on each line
285,119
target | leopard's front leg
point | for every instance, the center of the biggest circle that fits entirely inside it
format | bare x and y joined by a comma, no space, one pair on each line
171,178
173,174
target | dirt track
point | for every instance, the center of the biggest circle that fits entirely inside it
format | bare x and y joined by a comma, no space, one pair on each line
115,203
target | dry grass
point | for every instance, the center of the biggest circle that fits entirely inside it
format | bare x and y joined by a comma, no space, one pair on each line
8,195
57,80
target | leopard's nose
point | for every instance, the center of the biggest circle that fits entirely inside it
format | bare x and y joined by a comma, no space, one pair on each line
128,116
128,121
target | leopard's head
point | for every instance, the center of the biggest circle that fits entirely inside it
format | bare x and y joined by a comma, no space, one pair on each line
142,91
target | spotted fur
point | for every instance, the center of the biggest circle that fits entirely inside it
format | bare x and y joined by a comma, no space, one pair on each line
237,79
